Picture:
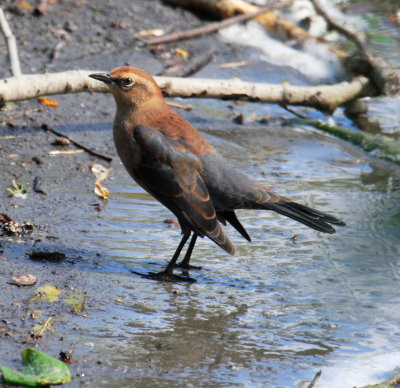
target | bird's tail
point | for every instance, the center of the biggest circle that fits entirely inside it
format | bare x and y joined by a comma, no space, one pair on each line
219,237
310,217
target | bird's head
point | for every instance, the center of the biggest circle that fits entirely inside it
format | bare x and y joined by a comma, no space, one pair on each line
130,86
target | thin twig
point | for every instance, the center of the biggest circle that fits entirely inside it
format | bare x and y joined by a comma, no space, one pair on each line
179,106
11,44
293,112
45,326
187,68
214,26
343,30
94,153
55,52
315,379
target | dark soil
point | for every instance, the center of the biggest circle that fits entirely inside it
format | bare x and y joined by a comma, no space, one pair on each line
94,35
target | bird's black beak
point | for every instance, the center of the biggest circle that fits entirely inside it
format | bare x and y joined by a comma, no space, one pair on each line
103,77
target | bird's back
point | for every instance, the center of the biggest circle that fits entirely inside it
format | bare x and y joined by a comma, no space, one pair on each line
230,189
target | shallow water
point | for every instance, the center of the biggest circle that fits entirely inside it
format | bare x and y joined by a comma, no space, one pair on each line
291,303
288,304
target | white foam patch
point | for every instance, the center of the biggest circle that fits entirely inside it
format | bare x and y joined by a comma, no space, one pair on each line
277,53
360,370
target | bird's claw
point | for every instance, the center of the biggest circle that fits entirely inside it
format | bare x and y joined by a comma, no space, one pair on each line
183,265
165,276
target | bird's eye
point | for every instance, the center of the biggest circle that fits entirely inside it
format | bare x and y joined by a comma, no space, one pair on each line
127,82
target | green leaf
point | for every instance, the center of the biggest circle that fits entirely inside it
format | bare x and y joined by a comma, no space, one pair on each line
8,106
76,301
11,376
374,21
19,190
40,370
46,292
379,38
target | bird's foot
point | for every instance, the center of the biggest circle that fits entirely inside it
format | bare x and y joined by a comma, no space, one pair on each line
183,265
165,276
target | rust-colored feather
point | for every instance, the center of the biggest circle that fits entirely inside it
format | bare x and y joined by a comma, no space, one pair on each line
166,155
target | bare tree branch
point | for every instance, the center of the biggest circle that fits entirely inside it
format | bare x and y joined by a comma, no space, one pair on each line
338,27
323,97
386,79
79,145
270,20
11,44
215,26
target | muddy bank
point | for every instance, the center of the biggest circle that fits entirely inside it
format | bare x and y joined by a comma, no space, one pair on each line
71,35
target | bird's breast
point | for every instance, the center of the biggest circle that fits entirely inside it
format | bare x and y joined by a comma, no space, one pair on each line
127,148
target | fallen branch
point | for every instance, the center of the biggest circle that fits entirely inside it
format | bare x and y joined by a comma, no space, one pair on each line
323,97
79,145
223,9
338,27
11,45
212,27
386,80
385,147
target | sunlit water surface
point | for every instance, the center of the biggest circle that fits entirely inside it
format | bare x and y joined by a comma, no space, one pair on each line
292,302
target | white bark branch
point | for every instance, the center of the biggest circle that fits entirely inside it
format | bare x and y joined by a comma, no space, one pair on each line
11,44
324,97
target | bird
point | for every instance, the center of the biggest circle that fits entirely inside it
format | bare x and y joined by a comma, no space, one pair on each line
173,162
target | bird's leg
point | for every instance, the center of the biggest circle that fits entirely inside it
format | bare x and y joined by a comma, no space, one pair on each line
185,262
168,275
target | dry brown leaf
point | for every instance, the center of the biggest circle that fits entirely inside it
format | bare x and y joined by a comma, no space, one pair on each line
100,172
62,141
25,5
24,280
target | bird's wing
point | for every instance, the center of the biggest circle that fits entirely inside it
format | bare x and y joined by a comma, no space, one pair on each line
231,189
170,172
